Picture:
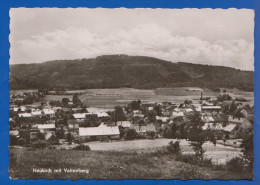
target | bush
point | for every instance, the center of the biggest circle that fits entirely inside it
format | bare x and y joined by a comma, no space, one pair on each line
193,159
236,164
151,134
130,134
191,173
82,147
39,144
174,148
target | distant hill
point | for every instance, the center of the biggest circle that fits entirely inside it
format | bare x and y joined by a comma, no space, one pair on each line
113,71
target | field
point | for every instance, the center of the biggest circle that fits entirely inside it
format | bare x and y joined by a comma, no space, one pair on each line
109,98
105,165
218,153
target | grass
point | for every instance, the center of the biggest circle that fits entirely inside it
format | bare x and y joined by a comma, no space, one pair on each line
106,165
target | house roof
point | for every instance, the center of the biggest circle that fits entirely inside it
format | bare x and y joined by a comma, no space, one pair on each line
81,115
102,114
229,127
163,119
212,126
177,114
25,115
208,118
48,111
36,113
144,128
46,126
124,123
188,110
211,107
48,135
13,132
101,130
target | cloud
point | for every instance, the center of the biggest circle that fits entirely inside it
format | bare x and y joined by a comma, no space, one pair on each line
143,39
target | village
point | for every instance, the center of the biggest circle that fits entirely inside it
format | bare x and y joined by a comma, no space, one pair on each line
70,121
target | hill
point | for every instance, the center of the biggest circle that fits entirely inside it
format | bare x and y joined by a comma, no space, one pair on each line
114,71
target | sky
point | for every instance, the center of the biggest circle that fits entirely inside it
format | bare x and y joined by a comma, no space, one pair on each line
222,37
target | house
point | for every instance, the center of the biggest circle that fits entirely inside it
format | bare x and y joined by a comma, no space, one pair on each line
25,115
101,132
210,109
36,113
143,129
137,112
102,114
51,138
81,116
15,109
138,116
57,108
44,128
166,113
212,126
125,124
163,119
233,131
23,108
188,110
241,122
177,113
207,118
14,133
49,112
73,124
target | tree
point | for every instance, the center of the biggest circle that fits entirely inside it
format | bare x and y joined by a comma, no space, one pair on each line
76,100
130,134
65,101
195,135
238,113
151,115
69,138
232,107
135,105
248,149
158,110
225,109
119,114
187,102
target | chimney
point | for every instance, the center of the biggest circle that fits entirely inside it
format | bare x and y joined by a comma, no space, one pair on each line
201,95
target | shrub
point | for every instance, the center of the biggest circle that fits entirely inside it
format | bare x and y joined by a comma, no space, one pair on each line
235,164
191,173
193,159
22,142
174,148
82,147
130,134
151,134
39,144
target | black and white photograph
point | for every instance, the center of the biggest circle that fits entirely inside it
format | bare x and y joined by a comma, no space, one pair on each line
131,93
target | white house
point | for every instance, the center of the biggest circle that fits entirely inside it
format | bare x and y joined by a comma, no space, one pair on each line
25,115
49,112
96,133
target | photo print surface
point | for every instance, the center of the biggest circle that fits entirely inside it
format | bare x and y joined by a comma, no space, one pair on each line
131,93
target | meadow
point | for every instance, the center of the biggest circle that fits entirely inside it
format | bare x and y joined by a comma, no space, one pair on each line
109,98
108,165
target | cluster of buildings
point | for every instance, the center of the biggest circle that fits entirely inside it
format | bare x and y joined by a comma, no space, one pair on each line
57,125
